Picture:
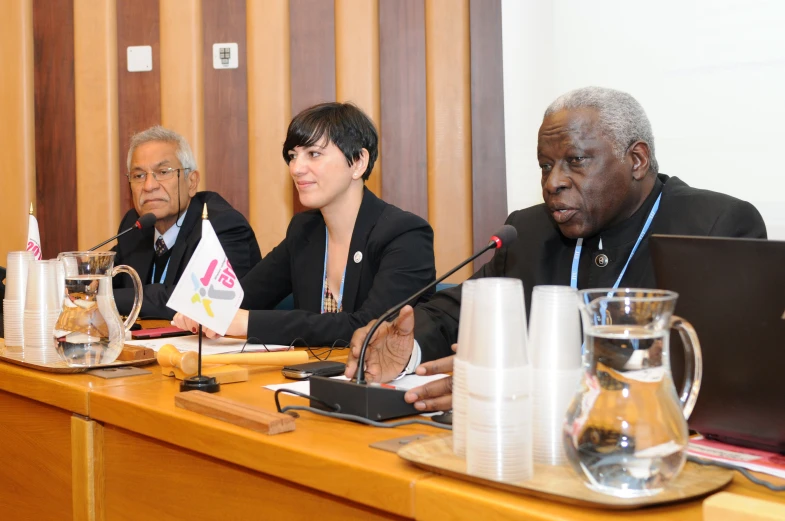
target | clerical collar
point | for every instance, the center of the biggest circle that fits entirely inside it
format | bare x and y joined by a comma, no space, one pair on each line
627,231
170,235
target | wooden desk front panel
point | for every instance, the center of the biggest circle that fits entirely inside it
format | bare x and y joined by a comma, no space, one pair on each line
35,460
441,498
64,391
149,479
322,454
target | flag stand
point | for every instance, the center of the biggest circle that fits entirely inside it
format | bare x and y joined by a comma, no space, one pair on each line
207,384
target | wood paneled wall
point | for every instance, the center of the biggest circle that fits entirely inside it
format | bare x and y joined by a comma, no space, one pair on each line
55,126
428,72
226,114
97,140
489,180
17,131
139,93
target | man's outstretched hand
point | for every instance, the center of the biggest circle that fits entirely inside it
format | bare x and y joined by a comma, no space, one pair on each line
388,351
436,395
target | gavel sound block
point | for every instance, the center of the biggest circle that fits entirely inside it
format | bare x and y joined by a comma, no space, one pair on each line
182,365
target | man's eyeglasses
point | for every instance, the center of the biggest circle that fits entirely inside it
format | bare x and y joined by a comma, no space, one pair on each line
162,174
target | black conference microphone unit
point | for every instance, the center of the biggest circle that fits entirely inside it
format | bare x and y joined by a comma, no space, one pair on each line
379,402
144,222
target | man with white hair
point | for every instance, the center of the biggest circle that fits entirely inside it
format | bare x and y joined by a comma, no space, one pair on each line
603,197
163,176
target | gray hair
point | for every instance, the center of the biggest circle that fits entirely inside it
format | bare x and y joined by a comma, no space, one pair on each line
159,133
621,117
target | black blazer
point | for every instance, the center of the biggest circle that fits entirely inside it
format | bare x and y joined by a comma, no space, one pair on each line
542,255
136,250
397,261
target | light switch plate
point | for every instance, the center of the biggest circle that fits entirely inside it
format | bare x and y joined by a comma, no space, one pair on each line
140,58
225,56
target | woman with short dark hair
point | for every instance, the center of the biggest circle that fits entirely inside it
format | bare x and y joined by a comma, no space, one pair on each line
347,259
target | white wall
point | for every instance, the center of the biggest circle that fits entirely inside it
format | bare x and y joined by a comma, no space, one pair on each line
709,73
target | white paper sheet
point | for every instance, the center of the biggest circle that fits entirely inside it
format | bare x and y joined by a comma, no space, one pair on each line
407,382
209,347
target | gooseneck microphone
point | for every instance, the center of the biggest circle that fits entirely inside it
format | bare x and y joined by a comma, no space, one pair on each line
143,223
378,403
504,236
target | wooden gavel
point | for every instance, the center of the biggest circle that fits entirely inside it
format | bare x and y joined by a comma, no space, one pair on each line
170,357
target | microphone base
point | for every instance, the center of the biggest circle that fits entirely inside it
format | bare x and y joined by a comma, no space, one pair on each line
371,402
207,384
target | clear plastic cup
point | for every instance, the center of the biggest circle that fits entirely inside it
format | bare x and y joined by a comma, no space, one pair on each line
553,392
499,428
460,396
13,325
498,324
554,328
42,292
555,350
499,421
59,281
39,326
17,264
465,321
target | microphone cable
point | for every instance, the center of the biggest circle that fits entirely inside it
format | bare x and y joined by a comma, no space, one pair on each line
348,417
178,195
744,472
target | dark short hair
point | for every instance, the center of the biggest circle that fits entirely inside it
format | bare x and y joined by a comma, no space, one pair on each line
343,124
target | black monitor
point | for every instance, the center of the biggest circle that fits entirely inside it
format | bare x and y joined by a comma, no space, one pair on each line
733,293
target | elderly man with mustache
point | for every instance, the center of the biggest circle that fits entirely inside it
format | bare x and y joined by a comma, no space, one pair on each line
602,191
163,177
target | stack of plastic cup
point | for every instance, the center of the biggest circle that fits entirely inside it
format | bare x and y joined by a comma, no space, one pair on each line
60,281
14,301
42,308
499,423
555,349
460,393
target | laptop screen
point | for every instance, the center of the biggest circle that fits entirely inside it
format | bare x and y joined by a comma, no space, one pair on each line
733,293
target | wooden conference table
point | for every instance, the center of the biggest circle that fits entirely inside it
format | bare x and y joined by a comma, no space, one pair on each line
85,448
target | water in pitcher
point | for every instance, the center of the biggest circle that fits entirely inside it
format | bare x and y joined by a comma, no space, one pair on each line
87,322
626,423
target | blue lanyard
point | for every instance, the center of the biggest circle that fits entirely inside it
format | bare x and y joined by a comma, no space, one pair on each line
579,246
339,299
163,275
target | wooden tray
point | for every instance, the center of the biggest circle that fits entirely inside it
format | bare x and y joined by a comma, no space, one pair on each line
14,355
560,483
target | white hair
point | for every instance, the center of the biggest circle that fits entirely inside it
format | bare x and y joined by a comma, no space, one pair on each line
620,117
159,133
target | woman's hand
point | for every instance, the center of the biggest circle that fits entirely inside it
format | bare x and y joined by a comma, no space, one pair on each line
238,327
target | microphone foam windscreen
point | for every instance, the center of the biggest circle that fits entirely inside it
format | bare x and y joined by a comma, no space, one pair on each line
146,221
506,234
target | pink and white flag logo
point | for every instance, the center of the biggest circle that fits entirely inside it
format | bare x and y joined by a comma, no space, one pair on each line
33,238
208,292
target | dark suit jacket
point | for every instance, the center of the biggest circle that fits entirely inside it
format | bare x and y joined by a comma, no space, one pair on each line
542,255
136,250
397,261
